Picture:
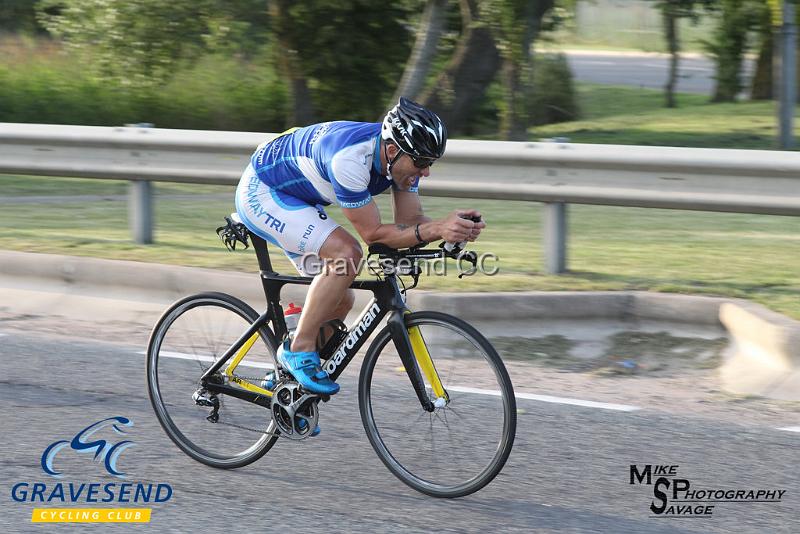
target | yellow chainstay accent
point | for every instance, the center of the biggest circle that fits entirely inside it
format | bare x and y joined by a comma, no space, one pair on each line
424,360
238,358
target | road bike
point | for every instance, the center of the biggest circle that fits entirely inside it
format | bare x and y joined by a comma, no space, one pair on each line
435,398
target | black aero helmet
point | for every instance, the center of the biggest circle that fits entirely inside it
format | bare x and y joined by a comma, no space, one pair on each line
415,130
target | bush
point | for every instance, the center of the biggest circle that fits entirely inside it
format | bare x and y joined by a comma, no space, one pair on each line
214,94
553,98
220,93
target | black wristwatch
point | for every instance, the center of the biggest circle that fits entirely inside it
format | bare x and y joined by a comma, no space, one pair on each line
421,242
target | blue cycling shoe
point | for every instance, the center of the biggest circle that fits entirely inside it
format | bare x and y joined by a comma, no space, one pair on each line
306,368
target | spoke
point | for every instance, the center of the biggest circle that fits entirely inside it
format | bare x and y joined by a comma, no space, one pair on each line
444,422
453,454
423,412
455,412
433,439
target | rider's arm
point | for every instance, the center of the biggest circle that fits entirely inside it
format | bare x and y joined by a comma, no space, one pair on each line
407,208
453,228
367,222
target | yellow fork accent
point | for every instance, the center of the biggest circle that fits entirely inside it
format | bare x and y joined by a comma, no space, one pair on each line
425,362
235,361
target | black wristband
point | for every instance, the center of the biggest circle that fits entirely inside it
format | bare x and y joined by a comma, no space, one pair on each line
419,237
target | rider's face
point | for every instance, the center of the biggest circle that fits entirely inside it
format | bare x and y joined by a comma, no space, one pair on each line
404,172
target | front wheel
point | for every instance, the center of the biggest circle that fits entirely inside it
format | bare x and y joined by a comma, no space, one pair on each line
460,447
191,335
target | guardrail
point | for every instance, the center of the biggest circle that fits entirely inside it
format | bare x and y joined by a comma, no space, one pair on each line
741,181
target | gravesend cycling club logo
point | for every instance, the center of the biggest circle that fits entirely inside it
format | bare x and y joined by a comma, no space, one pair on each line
108,452
675,496
101,443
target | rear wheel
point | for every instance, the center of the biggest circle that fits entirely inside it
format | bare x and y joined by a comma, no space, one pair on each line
460,447
191,335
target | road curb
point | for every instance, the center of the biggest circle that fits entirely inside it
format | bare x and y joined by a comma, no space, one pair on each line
763,359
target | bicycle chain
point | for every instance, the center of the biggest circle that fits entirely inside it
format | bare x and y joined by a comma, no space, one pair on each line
257,431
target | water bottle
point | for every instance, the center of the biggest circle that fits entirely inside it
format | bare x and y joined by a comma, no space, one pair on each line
291,317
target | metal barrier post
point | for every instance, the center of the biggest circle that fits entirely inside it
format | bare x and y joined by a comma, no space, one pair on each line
555,237
140,204
140,211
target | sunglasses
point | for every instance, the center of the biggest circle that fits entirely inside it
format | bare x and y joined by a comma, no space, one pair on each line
420,162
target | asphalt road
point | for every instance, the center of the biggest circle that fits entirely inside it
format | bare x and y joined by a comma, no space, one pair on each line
696,74
569,470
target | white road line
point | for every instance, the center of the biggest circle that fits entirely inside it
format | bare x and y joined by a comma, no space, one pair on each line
791,428
526,396
548,398
209,359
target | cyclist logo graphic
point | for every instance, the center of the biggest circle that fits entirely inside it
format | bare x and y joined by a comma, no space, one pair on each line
81,443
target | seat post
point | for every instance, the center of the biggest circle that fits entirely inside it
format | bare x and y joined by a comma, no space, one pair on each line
260,245
271,291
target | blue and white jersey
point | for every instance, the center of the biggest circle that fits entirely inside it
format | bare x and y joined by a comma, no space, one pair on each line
333,162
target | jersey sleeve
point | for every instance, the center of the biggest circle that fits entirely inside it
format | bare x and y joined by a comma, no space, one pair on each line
350,179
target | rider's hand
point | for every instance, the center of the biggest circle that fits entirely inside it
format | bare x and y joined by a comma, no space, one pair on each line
477,227
455,228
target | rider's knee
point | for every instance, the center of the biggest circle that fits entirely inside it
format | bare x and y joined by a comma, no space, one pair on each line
353,251
343,252
352,259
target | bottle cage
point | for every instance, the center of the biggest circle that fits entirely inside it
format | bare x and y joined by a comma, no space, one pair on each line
232,233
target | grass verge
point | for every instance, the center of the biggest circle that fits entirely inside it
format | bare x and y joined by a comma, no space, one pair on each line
748,256
630,116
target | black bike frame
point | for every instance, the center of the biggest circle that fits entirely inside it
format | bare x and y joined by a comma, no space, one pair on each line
387,300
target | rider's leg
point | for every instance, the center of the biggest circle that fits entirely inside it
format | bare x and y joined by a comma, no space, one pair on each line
341,311
329,293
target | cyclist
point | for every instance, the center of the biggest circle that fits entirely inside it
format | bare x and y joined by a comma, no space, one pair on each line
282,193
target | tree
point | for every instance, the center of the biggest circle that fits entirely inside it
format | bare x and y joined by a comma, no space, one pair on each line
729,44
769,16
516,24
290,64
338,57
458,89
351,52
672,11
419,63
18,15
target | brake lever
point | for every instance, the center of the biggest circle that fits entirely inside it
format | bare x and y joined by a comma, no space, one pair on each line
471,257
454,249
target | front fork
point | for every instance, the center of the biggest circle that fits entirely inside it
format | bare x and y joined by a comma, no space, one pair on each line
412,350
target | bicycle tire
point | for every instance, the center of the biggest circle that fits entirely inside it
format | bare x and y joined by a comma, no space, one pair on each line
400,448
220,308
